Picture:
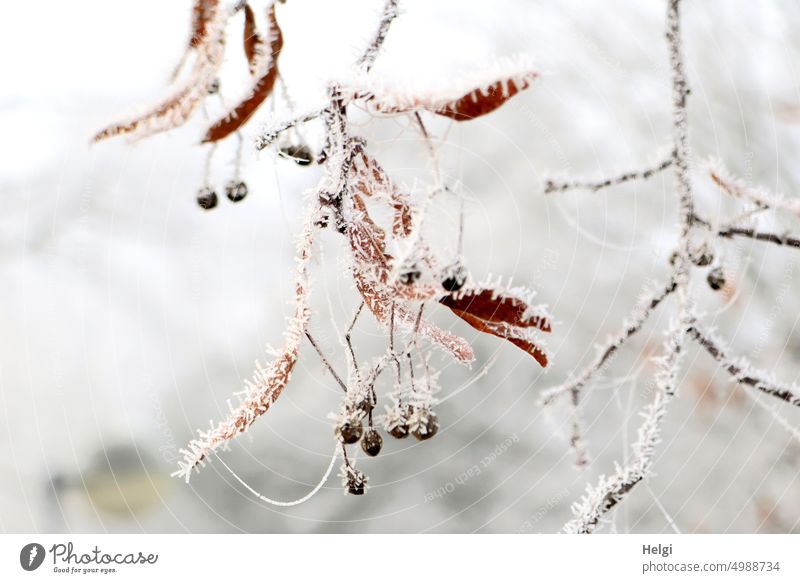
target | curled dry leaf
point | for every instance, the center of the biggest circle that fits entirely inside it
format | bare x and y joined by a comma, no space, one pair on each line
473,96
503,315
266,71
208,41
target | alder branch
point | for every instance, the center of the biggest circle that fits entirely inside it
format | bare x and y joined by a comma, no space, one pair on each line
760,197
390,12
633,323
742,371
552,186
326,362
782,240
612,490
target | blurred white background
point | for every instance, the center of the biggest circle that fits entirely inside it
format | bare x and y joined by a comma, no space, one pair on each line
129,315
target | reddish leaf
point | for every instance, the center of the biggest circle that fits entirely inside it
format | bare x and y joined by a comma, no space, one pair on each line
260,92
501,315
371,267
480,102
176,109
368,177
469,97
253,42
202,11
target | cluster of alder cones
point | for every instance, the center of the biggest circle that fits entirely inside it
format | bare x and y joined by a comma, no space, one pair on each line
394,286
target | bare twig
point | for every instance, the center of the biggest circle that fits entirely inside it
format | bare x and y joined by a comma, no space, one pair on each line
325,361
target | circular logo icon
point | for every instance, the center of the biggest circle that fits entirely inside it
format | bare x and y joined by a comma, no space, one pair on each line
31,556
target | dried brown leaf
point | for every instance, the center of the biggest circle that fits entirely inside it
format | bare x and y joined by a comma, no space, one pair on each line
501,315
253,43
208,33
267,66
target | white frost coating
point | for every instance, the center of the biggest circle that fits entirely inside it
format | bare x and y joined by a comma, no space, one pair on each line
176,109
738,188
386,96
610,490
266,384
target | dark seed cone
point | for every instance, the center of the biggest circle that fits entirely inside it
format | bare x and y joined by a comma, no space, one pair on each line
716,279
206,198
410,275
455,277
399,431
300,153
702,256
372,442
427,429
349,432
236,191
356,483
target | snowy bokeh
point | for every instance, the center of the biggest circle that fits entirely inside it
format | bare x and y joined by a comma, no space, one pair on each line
130,317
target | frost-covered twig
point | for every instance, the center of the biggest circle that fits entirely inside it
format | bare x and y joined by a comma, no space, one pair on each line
390,12
743,371
326,362
272,133
680,121
783,240
633,323
595,185
611,490
760,197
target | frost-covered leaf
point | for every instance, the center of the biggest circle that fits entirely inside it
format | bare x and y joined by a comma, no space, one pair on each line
372,181
265,69
253,43
371,272
471,96
267,382
208,42
504,315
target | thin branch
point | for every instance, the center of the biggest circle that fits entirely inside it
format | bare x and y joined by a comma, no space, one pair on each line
763,199
325,361
632,325
680,122
390,12
272,133
552,186
742,371
783,240
347,339
611,490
